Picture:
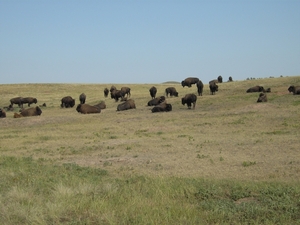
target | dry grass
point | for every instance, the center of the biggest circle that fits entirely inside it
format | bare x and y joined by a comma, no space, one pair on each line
228,135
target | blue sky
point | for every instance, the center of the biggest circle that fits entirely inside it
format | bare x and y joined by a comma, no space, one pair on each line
147,41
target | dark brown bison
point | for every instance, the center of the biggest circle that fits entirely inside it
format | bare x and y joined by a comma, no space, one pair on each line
126,91
156,101
162,107
106,92
112,88
116,94
67,102
268,90
87,109
29,112
29,101
17,101
230,79
262,97
129,104
213,87
153,91
256,89
101,105
189,99
9,108
294,89
82,98
172,91
200,87
2,113
189,81
220,79
43,105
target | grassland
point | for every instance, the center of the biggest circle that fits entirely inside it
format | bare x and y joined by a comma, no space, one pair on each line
229,161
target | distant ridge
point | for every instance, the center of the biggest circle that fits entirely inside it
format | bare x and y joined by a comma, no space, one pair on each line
171,82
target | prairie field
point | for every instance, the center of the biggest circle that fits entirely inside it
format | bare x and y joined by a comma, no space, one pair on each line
139,167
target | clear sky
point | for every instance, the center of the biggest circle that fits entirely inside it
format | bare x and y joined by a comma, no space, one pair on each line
147,41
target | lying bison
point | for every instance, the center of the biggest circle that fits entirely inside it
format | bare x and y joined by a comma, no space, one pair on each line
162,107
82,98
87,109
156,101
126,91
213,87
262,97
189,99
189,81
153,91
294,89
129,104
172,91
256,89
101,105
2,113
67,102
200,87
29,112
106,91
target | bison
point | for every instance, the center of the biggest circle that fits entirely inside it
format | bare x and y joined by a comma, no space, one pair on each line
213,87
87,109
189,81
172,91
129,104
101,105
256,89
17,101
112,88
153,91
189,99
220,79
262,97
2,113
106,92
156,101
67,102
29,101
116,94
29,112
200,87
162,107
294,89
230,79
126,91
82,98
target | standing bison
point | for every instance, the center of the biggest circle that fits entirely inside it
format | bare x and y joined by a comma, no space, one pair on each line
129,104
82,98
87,109
17,101
294,89
67,102
213,87
126,91
262,97
162,107
189,81
200,87
106,92
220,79
29,112
156,101
116,94
189,99
256,89
230,79
153,91
29,101
172,91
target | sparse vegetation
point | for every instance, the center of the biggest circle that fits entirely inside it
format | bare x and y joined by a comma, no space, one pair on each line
229,161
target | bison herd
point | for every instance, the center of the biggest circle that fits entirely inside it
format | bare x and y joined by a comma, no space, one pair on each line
159,103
